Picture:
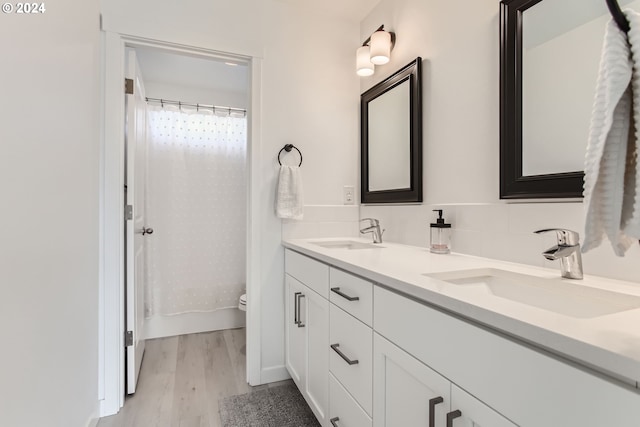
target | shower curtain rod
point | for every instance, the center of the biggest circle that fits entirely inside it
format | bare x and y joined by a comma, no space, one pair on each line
198,106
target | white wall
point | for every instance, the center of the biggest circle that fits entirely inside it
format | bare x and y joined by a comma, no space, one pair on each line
180,77
49,174
309,98
459,43
221,98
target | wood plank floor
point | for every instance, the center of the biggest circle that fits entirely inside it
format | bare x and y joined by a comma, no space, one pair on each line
182,379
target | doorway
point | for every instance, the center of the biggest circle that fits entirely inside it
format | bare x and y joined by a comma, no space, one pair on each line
187,168
113,320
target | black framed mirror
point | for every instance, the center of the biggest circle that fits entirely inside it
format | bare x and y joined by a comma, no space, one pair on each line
391,138
518,179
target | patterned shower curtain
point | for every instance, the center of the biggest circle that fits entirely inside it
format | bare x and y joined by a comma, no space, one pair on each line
196,204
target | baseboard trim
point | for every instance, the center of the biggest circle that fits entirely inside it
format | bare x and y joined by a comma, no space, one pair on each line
274,374
194,323
93,419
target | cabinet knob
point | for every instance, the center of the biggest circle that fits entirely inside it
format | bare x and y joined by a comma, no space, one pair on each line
334,421
452,416
432,409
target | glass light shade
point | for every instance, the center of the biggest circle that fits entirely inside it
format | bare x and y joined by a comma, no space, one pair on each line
364,67
380,47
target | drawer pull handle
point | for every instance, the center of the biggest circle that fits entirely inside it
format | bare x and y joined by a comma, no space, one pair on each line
343,295
295,307
334,421
298,319
432,409
341,354
453,415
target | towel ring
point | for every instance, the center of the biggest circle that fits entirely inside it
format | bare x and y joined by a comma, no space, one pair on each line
288,148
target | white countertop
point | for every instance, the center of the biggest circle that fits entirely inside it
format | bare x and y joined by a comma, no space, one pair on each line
609,344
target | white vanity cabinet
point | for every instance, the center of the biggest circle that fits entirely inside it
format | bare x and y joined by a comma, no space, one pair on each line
419,365
328,344
350,358
307,331
526,386
406,392
467,411
409,393
296,334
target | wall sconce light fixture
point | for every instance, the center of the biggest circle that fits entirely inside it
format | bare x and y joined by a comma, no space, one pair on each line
376,50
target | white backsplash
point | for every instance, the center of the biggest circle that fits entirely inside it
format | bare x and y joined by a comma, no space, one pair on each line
323,221
503,231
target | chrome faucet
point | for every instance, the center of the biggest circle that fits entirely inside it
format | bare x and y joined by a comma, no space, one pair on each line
373,228
567,251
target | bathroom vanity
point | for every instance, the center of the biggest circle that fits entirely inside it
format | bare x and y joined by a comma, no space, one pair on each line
392,335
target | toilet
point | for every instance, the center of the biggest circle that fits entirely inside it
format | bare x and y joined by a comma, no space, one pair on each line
242,305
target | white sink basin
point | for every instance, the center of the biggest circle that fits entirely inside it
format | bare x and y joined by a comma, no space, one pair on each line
556,295
347,244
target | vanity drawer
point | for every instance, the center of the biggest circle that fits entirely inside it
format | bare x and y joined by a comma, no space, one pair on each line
352,293
344,411
351,341
312,273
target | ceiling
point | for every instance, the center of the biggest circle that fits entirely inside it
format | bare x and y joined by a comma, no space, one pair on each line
355,10
196,72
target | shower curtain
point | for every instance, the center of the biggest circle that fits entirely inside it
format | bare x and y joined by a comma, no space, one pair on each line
196,204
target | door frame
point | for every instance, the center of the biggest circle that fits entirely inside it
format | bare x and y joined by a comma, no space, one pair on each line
111,313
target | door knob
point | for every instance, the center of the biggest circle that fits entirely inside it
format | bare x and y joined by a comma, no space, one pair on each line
147,230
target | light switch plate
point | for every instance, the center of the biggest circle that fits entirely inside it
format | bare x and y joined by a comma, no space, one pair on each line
348,195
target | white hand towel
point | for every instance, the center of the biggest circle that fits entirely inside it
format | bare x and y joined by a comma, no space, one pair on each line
612,176
289,200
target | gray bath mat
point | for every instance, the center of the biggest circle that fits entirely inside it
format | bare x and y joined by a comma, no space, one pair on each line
281,406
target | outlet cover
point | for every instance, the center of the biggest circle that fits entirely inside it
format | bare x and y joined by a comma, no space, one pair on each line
348,195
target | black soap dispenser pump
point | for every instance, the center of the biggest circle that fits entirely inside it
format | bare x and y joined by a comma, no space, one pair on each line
440,235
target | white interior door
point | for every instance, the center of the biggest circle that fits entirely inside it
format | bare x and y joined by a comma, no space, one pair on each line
136,228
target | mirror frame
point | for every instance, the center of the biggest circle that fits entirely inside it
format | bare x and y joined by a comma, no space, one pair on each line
513,185
412,73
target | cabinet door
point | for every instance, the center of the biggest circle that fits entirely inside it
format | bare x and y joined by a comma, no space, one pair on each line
295,352
467,411
405,391
315,315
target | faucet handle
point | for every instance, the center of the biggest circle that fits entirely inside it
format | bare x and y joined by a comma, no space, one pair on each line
372,221
565,237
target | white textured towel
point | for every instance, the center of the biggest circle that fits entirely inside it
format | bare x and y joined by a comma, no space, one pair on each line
289,200
612,176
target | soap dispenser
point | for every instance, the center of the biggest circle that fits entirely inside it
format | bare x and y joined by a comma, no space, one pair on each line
440,235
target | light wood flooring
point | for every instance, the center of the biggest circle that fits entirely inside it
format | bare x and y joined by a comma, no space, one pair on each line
182,379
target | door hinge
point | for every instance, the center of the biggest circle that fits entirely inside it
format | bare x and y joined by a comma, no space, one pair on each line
128,86
128,338
128,212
